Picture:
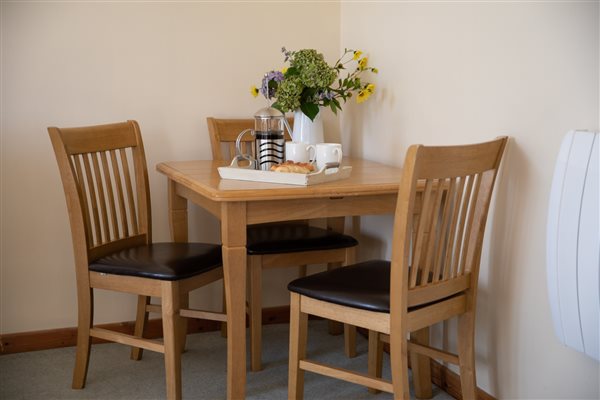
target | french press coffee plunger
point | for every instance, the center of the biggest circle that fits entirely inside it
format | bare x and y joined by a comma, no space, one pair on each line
269,142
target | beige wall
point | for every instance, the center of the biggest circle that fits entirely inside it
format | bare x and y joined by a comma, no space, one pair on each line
455,72
450,73
169,66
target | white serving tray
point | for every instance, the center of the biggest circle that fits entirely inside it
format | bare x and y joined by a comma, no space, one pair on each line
288,178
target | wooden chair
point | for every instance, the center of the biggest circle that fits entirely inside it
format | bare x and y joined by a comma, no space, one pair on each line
432,275
104,175
282,244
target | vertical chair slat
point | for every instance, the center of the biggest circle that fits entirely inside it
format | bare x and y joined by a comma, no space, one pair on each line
469,222
101,197
143,202
479,217
129,187
76,160
457,200
111,196
445,221
92,193
231,148
418,246
461,226
433,232
415,217
120,199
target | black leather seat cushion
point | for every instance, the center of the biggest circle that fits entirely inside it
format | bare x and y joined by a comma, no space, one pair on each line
290,238
365,286
164,261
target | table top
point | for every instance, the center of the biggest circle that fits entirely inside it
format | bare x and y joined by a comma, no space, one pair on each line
202,176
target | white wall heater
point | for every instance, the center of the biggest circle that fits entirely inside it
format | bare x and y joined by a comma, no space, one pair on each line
573,243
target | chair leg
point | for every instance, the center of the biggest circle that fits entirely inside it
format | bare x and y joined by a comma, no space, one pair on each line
350,340
141,318
334,327
171,334
298,338
255,294
466,354
349,330
184,302
85,305
399,364
375,357
421,366
224,309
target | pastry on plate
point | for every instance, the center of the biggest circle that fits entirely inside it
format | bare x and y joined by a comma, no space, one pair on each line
291,166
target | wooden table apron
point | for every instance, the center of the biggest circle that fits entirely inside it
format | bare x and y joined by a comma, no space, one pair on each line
371,189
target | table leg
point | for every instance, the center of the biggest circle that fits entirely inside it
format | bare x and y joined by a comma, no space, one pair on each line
233,237
336,224
178,223
178,215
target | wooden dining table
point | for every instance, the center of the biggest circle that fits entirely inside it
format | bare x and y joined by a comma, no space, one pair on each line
371,189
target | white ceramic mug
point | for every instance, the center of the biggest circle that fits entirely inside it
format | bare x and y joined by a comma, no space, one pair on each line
328,153
299,152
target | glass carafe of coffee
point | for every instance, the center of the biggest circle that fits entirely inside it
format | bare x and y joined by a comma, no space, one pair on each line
269,139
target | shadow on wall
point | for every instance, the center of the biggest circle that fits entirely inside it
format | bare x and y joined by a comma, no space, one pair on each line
372,130
351,132
512,180
374,233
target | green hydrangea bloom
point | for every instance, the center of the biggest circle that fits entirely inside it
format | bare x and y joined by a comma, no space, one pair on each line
314,71
288,94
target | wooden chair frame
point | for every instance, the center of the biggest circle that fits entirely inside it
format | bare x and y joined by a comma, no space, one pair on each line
224,132
109,210
434,273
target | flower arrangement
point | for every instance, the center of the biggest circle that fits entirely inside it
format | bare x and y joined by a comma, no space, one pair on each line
309,82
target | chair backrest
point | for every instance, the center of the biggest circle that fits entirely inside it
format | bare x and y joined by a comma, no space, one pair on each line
104,176
224,132
437,253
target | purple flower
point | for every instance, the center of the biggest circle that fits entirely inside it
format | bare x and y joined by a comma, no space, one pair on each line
270,82
326,95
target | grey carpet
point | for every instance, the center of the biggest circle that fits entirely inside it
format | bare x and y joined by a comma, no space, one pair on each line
112,375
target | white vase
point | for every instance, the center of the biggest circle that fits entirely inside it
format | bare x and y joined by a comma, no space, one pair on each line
307,131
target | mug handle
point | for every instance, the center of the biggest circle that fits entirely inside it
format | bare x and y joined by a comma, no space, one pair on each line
312,159
339,154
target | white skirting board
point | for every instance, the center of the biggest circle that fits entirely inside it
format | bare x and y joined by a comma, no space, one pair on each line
573,243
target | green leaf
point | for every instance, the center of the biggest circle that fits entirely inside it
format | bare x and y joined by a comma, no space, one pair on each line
307,95
291,71
310,110
277,107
